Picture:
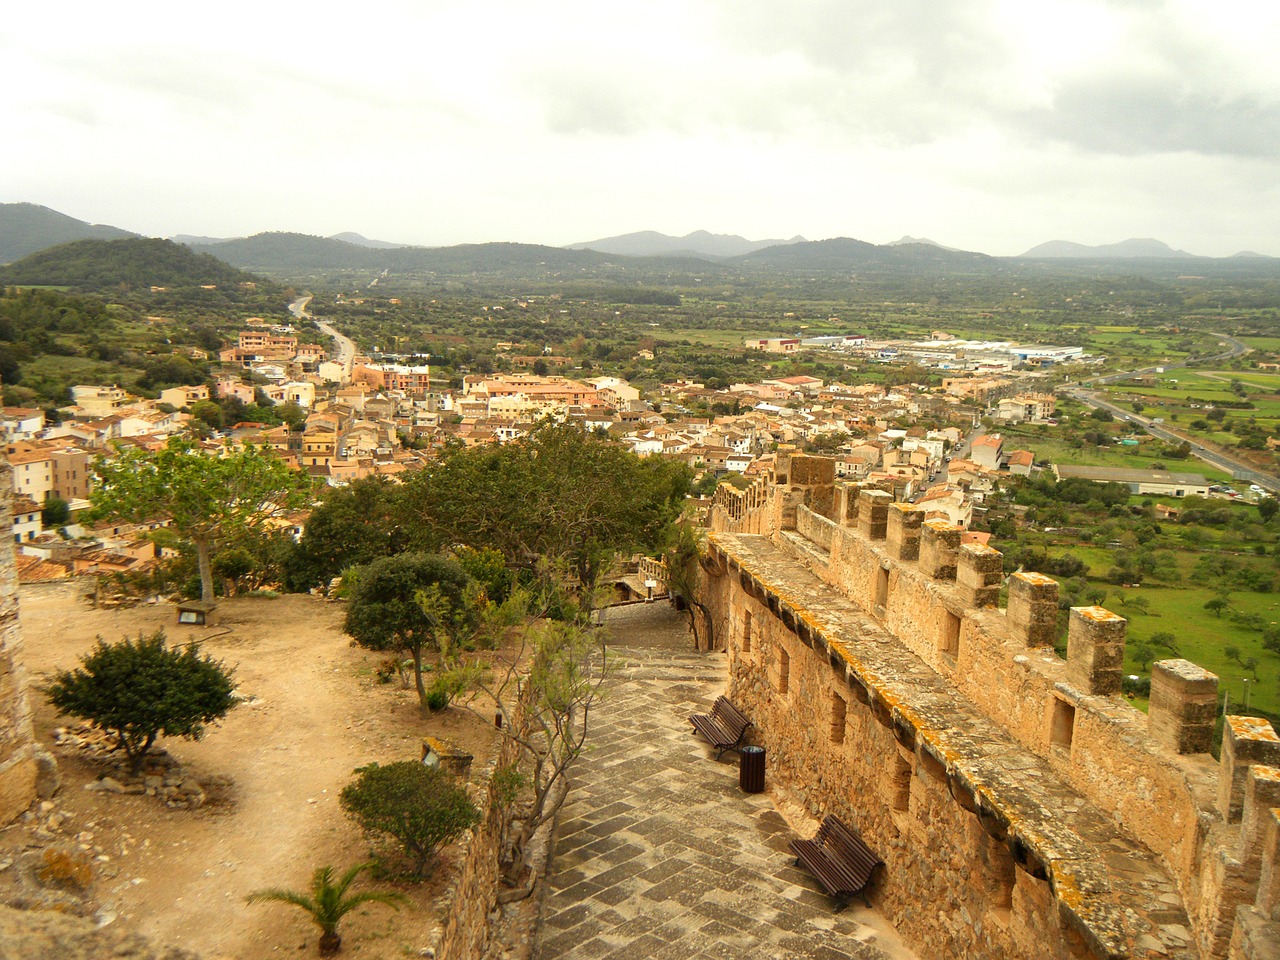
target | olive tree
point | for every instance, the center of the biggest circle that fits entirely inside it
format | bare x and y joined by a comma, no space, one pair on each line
140,690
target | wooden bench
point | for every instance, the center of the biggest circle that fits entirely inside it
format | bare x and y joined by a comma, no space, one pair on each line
724,727
839,858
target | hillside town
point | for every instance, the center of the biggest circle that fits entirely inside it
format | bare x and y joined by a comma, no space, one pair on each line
387,416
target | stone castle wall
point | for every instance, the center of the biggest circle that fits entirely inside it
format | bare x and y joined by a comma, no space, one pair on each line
1003,785
18,767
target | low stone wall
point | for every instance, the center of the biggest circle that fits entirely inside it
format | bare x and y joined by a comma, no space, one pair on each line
465,930
472,894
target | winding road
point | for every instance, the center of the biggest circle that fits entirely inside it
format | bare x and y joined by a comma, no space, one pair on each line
1239,469
345,346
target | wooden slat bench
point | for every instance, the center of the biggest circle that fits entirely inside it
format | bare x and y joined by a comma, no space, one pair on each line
724,727
839,858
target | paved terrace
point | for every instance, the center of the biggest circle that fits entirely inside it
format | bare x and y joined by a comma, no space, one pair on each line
659,854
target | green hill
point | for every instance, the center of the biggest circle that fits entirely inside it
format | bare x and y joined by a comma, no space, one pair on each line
284,254
26,228
90,265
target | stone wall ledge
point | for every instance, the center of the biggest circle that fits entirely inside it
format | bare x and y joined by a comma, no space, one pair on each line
1114,892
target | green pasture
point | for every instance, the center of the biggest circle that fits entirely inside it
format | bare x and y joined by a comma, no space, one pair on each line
1202,637
1055,450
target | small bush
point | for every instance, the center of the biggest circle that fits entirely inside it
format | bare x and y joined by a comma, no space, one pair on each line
437,698
420,807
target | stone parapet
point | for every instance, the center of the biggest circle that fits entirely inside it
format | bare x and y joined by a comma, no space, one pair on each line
903,531
1268,901
939,549
1032,611
1095,650
844,504
1010,840
979,570
1245,741
873,513
1261,796
1184,706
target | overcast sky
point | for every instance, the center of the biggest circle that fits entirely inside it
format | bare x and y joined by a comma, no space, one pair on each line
991,125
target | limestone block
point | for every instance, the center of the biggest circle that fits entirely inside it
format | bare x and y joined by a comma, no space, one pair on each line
979,570
1095,650
1184,706
873,513
939,546
1032,612
1261,796
844,508
17,787
1245,741
812,471
1268,902
903,531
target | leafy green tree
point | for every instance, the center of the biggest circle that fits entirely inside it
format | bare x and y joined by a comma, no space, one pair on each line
328,902
1142,652
140,690
354,525
420,807
559,495
386,613
209,498
1267,508
56,513
1216,605
1167,640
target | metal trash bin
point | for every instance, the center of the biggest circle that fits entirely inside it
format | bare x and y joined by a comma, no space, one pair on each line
751,769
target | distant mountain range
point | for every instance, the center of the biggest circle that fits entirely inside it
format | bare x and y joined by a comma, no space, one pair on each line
1124,250
700,243
26,228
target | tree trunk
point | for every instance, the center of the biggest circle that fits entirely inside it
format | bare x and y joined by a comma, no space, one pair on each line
330,944
416,650
206,569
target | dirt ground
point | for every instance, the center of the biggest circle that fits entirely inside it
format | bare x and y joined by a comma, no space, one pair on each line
272,770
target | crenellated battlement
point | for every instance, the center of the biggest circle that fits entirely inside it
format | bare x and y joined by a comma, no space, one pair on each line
833,596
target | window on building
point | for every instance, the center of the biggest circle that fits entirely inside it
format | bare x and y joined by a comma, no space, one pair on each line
784,671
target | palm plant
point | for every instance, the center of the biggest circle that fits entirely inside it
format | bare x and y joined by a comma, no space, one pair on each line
329,902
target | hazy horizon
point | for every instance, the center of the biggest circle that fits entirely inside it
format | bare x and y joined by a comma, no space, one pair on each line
991,126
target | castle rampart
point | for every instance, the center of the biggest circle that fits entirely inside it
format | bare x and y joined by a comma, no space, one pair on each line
18,765
1003,785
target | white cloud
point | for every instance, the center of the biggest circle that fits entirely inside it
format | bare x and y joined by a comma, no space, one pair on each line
994,124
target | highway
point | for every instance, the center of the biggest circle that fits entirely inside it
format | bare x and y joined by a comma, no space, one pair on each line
1240,470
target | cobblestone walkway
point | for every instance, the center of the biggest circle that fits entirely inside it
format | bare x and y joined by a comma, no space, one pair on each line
659,854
